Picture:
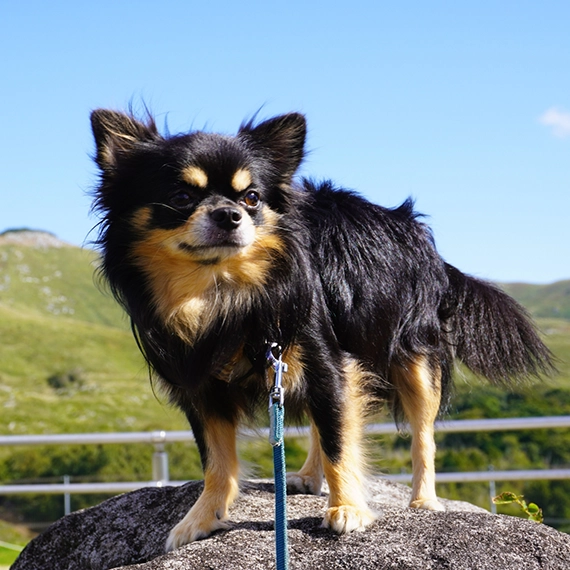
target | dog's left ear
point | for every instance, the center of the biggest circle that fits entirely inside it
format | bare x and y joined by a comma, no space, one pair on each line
283,138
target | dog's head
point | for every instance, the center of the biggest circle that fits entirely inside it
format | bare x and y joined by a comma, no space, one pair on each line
206,197
190,216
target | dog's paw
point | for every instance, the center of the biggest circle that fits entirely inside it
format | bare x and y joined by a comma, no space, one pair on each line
298,484
347,518
427,504
190,529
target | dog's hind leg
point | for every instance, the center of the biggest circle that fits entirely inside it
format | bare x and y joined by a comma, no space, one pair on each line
419,389
221,472
309,479
339,416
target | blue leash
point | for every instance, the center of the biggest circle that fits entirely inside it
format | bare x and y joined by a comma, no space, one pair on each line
276,414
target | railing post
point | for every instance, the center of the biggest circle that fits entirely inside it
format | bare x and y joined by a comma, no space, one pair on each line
492,492
160,472
66,496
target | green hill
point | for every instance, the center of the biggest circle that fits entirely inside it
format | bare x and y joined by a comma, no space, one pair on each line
546,301
56,323
38,272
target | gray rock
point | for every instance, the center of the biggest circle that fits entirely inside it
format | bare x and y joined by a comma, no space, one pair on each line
32,238
129,532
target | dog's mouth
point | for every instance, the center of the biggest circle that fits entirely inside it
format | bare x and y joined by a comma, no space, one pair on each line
211,247
205,248
212,253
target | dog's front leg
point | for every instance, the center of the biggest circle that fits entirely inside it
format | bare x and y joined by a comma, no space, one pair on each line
338,412
221,472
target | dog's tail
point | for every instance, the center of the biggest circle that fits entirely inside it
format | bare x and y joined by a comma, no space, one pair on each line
491,333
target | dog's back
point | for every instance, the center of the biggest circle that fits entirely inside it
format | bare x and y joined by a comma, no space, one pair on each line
391,296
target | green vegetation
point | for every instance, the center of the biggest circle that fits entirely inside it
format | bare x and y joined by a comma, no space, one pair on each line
531,510
12,538
76,335
55,282
69,364
543,301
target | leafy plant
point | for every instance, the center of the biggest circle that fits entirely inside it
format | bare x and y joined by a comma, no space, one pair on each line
533,511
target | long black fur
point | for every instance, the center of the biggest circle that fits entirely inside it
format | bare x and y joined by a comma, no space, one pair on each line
353,278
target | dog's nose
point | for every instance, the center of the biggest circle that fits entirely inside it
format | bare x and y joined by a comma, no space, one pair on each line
226,218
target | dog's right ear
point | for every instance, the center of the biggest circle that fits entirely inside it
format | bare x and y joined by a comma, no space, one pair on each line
116,134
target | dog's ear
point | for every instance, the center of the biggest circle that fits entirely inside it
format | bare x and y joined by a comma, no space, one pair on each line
283,138
117,133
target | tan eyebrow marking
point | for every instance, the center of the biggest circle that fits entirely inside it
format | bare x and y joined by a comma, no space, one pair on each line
195,176
241,180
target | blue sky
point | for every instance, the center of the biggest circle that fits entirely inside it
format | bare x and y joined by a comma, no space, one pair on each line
463,105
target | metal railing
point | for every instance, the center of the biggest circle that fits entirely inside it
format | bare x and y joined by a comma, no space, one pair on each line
160,471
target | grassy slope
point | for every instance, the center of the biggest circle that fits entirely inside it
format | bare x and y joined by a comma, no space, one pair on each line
115,396
546,301
557,337
54,319
55,282
13,535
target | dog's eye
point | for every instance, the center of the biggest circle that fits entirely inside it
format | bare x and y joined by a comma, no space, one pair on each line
251,199
181,199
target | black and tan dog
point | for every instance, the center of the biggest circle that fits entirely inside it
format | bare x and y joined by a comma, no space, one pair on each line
214,250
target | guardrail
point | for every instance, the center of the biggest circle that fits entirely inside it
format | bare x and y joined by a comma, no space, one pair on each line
160,474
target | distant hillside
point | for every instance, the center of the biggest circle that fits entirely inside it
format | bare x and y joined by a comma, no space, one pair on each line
40,273
56,322
31,238
544,301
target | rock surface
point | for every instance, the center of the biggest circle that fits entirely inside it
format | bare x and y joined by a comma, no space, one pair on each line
129,532
32,238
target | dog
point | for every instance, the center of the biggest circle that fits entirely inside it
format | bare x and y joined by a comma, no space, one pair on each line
215,249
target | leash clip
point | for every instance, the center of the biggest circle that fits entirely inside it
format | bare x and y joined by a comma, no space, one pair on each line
277,394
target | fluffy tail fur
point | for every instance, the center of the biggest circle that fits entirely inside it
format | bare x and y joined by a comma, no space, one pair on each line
491,333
